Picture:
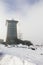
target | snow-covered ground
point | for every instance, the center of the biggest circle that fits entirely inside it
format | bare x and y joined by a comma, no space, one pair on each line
13,60
21,55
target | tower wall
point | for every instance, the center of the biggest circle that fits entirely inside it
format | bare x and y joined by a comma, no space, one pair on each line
11,30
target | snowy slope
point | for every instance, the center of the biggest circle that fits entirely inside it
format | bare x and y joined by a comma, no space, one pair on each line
23,54
13,60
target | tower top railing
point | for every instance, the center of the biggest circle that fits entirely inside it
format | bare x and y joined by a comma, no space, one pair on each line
12,21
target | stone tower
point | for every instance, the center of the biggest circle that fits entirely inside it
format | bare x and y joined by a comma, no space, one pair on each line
11,31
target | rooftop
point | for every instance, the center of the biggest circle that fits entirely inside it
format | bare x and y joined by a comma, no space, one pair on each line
12,21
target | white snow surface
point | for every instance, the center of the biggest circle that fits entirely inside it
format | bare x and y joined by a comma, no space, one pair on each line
21,56
13,60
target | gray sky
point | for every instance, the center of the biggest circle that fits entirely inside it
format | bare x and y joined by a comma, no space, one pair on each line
29,13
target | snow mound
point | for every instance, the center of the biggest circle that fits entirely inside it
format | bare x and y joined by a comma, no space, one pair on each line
13,60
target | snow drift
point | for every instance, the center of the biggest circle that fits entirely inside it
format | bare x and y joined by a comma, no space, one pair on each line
13,60
26,55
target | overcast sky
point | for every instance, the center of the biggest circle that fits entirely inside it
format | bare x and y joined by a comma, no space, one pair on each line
29,13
